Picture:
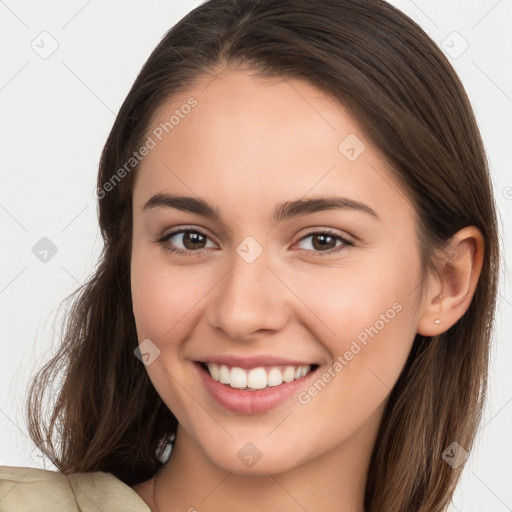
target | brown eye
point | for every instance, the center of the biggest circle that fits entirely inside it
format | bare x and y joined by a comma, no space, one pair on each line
186,241
324,242
193,240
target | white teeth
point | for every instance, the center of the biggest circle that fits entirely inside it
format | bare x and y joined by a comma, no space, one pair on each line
238,378
274,377
289,374
256,378
214,371
224,375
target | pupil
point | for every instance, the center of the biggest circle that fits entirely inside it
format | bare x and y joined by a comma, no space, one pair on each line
324,241
191,239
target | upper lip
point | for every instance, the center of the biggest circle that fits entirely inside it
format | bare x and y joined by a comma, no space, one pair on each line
253,361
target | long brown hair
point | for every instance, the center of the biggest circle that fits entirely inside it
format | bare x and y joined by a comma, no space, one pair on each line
394,79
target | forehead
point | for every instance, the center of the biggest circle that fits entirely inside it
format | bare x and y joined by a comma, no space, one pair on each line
248,141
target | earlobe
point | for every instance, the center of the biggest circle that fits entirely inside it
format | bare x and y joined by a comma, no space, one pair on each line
449,298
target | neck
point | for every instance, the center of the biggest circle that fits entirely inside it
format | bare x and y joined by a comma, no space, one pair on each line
333,481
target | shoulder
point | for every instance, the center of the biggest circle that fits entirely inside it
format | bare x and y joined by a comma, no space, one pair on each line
39,490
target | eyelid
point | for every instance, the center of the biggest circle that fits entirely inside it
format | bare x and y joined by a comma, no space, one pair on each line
164,239
345,242
180,229
313,230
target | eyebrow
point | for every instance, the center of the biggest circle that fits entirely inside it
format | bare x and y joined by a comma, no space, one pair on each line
282,211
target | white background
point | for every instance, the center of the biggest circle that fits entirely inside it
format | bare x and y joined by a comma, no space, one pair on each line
56,115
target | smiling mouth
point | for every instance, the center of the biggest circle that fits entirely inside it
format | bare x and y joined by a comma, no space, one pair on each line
257,378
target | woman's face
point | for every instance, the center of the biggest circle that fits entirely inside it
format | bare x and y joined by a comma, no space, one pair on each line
276,176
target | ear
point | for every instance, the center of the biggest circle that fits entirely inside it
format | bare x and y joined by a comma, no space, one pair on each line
451,290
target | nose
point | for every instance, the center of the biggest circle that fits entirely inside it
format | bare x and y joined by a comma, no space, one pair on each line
249,300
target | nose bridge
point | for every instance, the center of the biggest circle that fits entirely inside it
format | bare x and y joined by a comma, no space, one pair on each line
249,297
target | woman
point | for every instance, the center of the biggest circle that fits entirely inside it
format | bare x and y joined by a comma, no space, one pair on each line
298,285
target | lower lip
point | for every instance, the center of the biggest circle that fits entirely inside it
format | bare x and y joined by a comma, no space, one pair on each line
251,402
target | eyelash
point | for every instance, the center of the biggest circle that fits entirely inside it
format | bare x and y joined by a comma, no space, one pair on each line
190,253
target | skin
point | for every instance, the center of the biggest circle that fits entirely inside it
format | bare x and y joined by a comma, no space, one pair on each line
249,144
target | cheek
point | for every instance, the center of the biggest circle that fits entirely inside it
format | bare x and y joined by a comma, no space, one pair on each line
365,318
162,295
352,301
367,326
164,302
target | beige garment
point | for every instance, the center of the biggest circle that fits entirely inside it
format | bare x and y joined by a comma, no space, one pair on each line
37,490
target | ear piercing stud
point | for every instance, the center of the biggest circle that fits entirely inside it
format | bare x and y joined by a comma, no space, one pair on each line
437,321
